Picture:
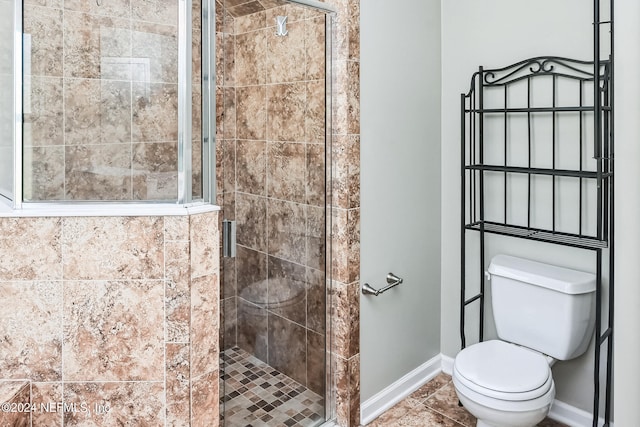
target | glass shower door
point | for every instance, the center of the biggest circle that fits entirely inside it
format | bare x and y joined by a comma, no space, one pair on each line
273,80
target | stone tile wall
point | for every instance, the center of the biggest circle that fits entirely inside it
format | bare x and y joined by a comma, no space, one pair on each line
16,398
345,290
113,312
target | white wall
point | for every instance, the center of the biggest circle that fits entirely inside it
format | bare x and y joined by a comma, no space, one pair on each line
400,187
495,33
6,97
627,300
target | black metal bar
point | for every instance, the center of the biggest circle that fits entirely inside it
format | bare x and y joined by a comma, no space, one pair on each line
596,368
529,152
565,239
609,368
608,391
474,129
506,148
540,61
534,109
463,210
473,299
581,151
520,78
598,156
605,336
534,171
553,154
597,101
605,160
482,242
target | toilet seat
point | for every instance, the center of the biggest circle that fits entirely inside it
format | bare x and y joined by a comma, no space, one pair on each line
478,399
503,371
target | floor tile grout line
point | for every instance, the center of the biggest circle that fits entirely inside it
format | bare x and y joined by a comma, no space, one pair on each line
429,396
431,410
447,416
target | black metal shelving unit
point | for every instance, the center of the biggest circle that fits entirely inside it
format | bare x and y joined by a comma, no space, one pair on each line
559,111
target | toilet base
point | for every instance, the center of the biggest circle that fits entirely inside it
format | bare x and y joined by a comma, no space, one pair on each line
482,423
490,417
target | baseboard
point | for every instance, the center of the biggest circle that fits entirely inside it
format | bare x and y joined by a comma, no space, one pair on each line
385,399
572,416
447,364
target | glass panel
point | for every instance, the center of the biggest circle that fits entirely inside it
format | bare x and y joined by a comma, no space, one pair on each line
272,142
7,98
101,100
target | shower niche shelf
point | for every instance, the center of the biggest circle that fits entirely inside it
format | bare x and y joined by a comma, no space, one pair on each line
537,164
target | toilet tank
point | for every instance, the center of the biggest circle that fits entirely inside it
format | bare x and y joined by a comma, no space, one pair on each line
544,307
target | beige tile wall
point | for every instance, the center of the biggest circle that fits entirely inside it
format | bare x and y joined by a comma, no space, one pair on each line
117,311
346,211
101,100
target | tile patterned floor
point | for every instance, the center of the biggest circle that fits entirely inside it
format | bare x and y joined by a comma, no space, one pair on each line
256,395
434,404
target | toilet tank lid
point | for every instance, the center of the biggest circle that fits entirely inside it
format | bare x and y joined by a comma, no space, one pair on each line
559,279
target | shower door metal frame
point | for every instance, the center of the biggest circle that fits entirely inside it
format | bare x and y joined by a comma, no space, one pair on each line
18,81
185,166
208,100
330,375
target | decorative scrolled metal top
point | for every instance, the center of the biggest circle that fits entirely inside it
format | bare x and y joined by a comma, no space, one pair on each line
539,66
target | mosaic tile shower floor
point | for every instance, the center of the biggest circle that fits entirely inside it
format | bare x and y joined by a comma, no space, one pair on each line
256,395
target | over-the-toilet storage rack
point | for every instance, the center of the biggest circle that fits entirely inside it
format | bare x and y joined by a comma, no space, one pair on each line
537,164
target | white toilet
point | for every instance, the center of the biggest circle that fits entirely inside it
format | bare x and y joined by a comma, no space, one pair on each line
542,313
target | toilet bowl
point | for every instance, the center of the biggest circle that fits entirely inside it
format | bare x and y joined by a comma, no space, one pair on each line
504,385
542,313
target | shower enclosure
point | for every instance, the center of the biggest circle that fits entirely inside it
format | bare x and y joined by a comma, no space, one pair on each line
274,81
114,101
